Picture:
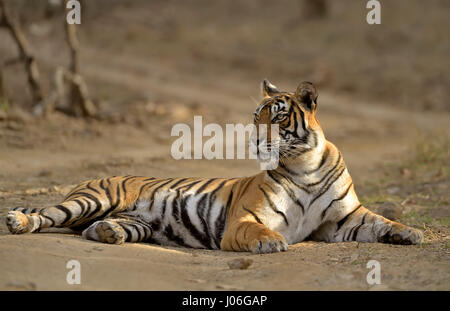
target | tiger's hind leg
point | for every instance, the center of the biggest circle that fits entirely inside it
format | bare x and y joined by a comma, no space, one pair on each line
118,230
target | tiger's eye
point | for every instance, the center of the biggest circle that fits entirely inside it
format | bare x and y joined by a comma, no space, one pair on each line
279,117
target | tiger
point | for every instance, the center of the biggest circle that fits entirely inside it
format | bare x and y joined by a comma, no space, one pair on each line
308,196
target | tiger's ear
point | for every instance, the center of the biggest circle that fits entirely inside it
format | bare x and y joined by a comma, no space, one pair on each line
268,89
306,94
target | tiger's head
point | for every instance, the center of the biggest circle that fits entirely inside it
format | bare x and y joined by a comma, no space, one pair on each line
295,114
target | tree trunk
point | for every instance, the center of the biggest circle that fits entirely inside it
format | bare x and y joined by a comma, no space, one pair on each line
26,55
81,105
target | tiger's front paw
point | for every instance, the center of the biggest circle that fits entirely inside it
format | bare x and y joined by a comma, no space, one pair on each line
400,234
268,244
17,222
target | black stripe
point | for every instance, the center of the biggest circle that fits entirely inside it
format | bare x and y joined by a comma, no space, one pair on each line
337,199
163,207
49,218
94,199
177,183
87,209
219,226
148,179
292,182
81,205
303,119
102,183
118,198
328,184
253,214
152,197
66,211
203,187
124,190
150,183
176,206
139,224
328,173
108,195
349,234
112,207
288,190
220,222
127,231
148,232
296,123
136,227
272,205
201,206
341,222
142,223
219,187
270,187
91,188
292,115
189,186
168,232
212,199
322,161
355,232
188,224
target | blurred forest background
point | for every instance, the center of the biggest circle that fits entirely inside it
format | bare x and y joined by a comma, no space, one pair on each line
106,106
402,62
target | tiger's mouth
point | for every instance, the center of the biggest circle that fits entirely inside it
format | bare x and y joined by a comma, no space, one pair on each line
293,149
280,148
264,151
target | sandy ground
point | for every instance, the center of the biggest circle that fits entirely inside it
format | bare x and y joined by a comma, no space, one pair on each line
150,65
